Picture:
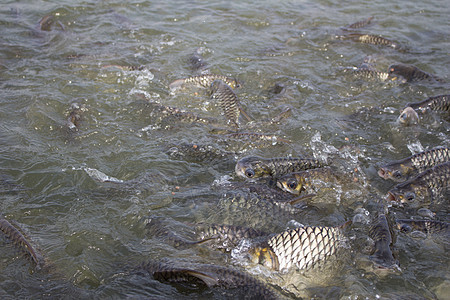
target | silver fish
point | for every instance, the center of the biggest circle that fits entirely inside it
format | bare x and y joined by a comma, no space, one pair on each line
203,81
408,117
402,169
426,226
302,247
438,103
371,39
360,24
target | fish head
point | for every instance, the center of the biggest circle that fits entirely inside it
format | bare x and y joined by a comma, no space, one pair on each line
289,184
395,172
408,117
249,167
400,196
264,256
402,71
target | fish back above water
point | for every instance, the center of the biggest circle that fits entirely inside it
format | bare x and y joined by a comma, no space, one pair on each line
305,181
419,162
211,276
13,233
410,73
254,166
426,226
360,24
425,184
381,233
438,103
228,101
204,81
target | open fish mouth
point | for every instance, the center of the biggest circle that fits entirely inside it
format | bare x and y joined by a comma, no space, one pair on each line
391,197
383,173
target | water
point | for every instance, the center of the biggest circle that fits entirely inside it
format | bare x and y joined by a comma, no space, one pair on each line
84,195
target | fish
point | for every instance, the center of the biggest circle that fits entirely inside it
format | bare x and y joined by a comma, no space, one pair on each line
227,236
204,81
410,73
254,167
196,61
422,186
426,226
74,118
46,23
402,169
13,232
371,39
211,276
360,24
304,181
437,103
302,247
381,233
368,73
228,100
408,116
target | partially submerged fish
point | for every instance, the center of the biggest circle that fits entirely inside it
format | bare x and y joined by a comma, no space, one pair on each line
46,23
368,73
227,236
360,24
424,185
254,166
13,233
305,181
438,103
371,39
302,247
199,153
75,115
211,276
408,117
228,100
402,169
203,81
426,226
381,233
410,73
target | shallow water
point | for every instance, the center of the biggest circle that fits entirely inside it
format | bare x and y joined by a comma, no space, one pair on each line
93,231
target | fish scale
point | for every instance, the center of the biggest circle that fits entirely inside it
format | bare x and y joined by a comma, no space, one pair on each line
227,99
204,81
440,102
419,162
302,247
424,184
427,226
410,73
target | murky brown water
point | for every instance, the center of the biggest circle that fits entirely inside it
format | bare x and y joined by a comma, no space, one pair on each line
286,55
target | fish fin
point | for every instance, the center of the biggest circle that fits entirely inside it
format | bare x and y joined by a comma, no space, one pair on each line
245,114
176,84
207,279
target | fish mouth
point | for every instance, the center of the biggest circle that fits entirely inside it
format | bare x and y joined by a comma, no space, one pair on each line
280,185
383,173
391,197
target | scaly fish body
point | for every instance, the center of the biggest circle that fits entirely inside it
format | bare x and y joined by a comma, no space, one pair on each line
372,39
426,226
360,24
302,247
203,81
370,74
304,181
183,115
13,233
254,167
440,102
227,100
410,73
227,236
380,233
423,185
198,153
74,118
211,276
419,162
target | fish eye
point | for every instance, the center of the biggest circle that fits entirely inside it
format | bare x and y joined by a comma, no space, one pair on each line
292,184
249,173
397,174
410,196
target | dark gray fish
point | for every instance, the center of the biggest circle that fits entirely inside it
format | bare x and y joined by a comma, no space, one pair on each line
197,61
422,186
306,181
402,169
411,73
302,247
14,234
426,226
199,153
438,103
228,100
408,117
75,115
371,39
227,236
255,167
203,81
46,23
211,276
381,233
360,24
